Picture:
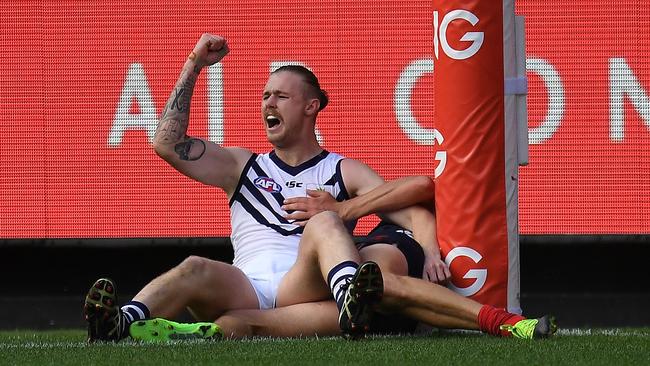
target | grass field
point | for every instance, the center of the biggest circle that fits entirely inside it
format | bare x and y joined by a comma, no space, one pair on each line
629,346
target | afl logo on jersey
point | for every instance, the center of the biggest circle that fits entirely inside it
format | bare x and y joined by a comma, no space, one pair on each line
267,184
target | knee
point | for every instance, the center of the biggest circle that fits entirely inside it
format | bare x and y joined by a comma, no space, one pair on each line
234,326
192,266
324,220
321,227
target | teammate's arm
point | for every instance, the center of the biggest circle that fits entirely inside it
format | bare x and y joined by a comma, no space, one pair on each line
197,158
423,226
386,197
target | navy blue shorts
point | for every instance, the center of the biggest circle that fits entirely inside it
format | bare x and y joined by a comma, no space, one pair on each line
386,233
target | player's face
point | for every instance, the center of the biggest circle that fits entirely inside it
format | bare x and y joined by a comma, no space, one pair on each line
284,109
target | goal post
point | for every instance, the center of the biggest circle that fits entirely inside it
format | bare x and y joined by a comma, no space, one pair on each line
480,90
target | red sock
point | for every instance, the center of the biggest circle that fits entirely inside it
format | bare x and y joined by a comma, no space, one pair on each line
491,318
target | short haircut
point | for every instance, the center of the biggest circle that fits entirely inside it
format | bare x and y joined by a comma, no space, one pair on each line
310,79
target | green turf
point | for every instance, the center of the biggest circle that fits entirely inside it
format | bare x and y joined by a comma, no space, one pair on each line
577,347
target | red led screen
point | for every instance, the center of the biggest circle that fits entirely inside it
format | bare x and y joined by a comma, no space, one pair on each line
82,83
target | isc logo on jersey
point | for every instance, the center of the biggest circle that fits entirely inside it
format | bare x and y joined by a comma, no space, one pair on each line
267,184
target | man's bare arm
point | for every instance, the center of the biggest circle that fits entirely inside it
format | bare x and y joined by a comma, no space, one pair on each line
390,196
197,158
423,226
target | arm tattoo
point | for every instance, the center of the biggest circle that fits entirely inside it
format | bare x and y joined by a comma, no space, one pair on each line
175,104
183,149
174,120
180,101
169,130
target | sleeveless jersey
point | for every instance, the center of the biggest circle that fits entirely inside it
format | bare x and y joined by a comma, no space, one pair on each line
263,240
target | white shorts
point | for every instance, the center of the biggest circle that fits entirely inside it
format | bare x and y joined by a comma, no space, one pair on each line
265,275
266,288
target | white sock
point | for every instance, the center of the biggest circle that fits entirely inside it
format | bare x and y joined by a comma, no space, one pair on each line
336,279
132,311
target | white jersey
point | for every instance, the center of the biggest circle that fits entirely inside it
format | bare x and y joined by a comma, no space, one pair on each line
263,240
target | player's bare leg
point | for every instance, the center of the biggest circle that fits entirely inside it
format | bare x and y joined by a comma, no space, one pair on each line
440,307
324,245
300,320
204,286
430,303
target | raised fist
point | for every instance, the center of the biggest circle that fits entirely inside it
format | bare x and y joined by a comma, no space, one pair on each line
209,50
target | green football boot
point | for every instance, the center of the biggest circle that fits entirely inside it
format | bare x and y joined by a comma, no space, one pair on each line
543,327
163,330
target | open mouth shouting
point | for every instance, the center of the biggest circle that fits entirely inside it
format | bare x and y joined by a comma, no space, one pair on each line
272,121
